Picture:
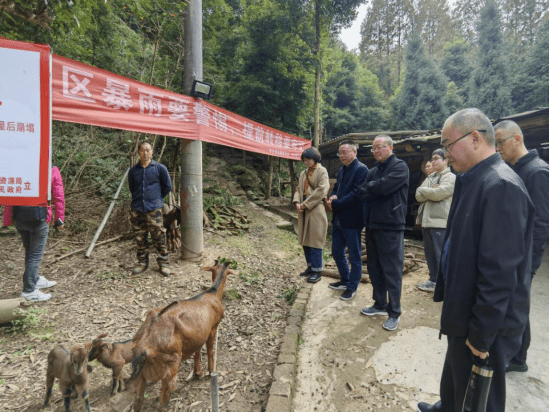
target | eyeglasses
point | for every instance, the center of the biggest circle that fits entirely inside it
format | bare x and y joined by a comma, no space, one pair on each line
377,148
499,144
448,147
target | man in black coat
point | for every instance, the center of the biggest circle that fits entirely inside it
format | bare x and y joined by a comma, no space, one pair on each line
385,190
348,220
534,173
484,276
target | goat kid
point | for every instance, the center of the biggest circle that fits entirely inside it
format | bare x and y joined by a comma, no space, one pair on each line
71,369
173,334
113,356
171,218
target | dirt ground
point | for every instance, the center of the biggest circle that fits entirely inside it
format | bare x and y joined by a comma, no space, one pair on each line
99,294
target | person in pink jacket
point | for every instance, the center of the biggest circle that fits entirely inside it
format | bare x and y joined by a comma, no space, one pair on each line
32,225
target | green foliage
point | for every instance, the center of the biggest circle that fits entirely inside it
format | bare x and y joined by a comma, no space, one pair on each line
456,64
30,320
353,99
420,104
107,275
217,196
232,294
490,86
253,278
232,263
453,101
289,295
530,82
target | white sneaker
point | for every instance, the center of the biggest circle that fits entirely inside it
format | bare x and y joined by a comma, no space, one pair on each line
35,296
44,283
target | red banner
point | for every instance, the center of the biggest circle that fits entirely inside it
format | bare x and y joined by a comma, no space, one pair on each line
88,95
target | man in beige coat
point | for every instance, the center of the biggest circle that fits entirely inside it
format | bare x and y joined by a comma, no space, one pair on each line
435,195
312,188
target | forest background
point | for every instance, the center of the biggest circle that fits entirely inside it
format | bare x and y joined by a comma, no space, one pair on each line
279,61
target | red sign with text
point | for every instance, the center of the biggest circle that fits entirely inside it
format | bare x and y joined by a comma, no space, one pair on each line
25,123
88,95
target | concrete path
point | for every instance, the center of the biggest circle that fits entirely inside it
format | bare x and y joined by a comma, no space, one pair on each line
347,362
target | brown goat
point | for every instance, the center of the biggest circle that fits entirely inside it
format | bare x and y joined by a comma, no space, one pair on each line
71,369
113,356
171,218
173,334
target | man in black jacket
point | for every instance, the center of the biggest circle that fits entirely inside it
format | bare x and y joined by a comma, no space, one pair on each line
348,220
385,189
484,277
534,173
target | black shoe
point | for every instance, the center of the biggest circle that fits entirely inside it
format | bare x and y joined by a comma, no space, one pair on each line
314,277
306,272
426,407
337,286
348,294
516,367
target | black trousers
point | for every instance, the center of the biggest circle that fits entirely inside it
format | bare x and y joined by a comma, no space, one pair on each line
385,250
458,366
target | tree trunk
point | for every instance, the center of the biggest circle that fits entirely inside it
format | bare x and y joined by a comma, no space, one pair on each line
317,53
269,178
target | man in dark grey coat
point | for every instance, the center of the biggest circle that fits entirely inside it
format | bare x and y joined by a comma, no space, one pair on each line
534,173
484,276
385,190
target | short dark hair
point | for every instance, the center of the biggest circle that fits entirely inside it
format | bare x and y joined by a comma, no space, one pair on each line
349,143
311,153
439,152
144,142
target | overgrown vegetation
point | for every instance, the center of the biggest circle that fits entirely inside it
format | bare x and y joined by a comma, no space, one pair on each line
30,320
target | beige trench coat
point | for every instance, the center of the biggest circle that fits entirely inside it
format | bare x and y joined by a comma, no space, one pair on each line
313,222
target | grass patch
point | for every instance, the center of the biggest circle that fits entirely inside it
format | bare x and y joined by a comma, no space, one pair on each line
250,279
29,320
289,295
232,294
110,275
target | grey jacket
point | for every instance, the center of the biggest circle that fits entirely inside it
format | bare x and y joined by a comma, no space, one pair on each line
435,195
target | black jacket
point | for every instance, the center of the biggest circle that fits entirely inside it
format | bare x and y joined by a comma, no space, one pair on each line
485,288
534,173
385,190
347,208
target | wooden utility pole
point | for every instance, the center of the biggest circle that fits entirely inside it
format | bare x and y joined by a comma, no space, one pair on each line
192,243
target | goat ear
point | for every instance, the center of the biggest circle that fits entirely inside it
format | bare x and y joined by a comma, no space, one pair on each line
88,346
232,272
102,336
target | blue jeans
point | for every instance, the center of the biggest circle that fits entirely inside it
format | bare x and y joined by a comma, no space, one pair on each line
433,244
34,237
314,258
342,237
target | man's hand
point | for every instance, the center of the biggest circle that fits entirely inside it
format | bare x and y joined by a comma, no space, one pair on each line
480,355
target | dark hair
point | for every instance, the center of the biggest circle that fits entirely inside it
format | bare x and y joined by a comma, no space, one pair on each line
349,143
440,153
144,142
311,153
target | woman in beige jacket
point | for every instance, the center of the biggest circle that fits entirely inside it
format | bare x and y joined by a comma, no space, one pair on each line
312,188
435,195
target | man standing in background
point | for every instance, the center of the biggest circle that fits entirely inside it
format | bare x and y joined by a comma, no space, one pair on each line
149,183
483,280
385,190
534,173
348,220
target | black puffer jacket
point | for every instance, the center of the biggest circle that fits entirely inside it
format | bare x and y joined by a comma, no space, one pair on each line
385,190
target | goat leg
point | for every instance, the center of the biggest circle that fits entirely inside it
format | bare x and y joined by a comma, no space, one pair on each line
49,385
198,370
210,349
140,389
66,391
166,388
